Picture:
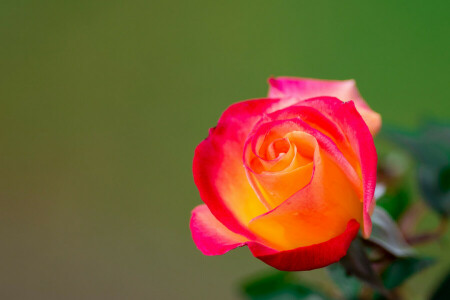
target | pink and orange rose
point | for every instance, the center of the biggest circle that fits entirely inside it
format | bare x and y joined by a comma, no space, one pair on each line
291,176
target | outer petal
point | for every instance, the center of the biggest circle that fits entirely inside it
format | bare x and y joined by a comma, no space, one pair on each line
308,257
210,236
218,169
357,132
304,88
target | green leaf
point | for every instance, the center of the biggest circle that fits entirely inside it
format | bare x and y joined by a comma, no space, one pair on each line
349,286
444,179
443,291
402,269
279,286
395,201
387,235
432,183
430,146
358,264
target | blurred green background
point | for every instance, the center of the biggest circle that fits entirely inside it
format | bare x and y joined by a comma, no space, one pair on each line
103,103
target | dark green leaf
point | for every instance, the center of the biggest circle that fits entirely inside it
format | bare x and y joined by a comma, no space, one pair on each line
431,179
279,286
402,269
395,201
430,146
387,235
349,285
357,263
443,291
444,179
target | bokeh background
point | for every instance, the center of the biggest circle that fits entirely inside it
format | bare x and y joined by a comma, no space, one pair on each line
103,102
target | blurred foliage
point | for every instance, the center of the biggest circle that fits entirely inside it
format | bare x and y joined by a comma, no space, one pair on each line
279,286
443,290
357,263
386,234
395,201
430,147
403,268
349,286
394,170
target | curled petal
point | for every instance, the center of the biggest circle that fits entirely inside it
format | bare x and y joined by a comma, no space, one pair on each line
349,120
371,118
210,236
314,214
213,238
304,88
274,185
307,257
322,124
218,169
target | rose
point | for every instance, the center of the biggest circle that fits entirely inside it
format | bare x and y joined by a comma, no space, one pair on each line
292,178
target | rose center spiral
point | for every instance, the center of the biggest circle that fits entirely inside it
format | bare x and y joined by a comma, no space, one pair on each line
280,163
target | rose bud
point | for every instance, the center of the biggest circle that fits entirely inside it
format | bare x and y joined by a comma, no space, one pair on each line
292,178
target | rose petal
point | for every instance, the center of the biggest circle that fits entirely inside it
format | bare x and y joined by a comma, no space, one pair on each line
328,142
317,212
345,90
213,238
321,123
304,88
218,169
308,257
210,236
358,134
275,187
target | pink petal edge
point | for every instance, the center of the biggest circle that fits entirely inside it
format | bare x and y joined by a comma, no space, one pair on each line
359,136
213,238
210,236
308,257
